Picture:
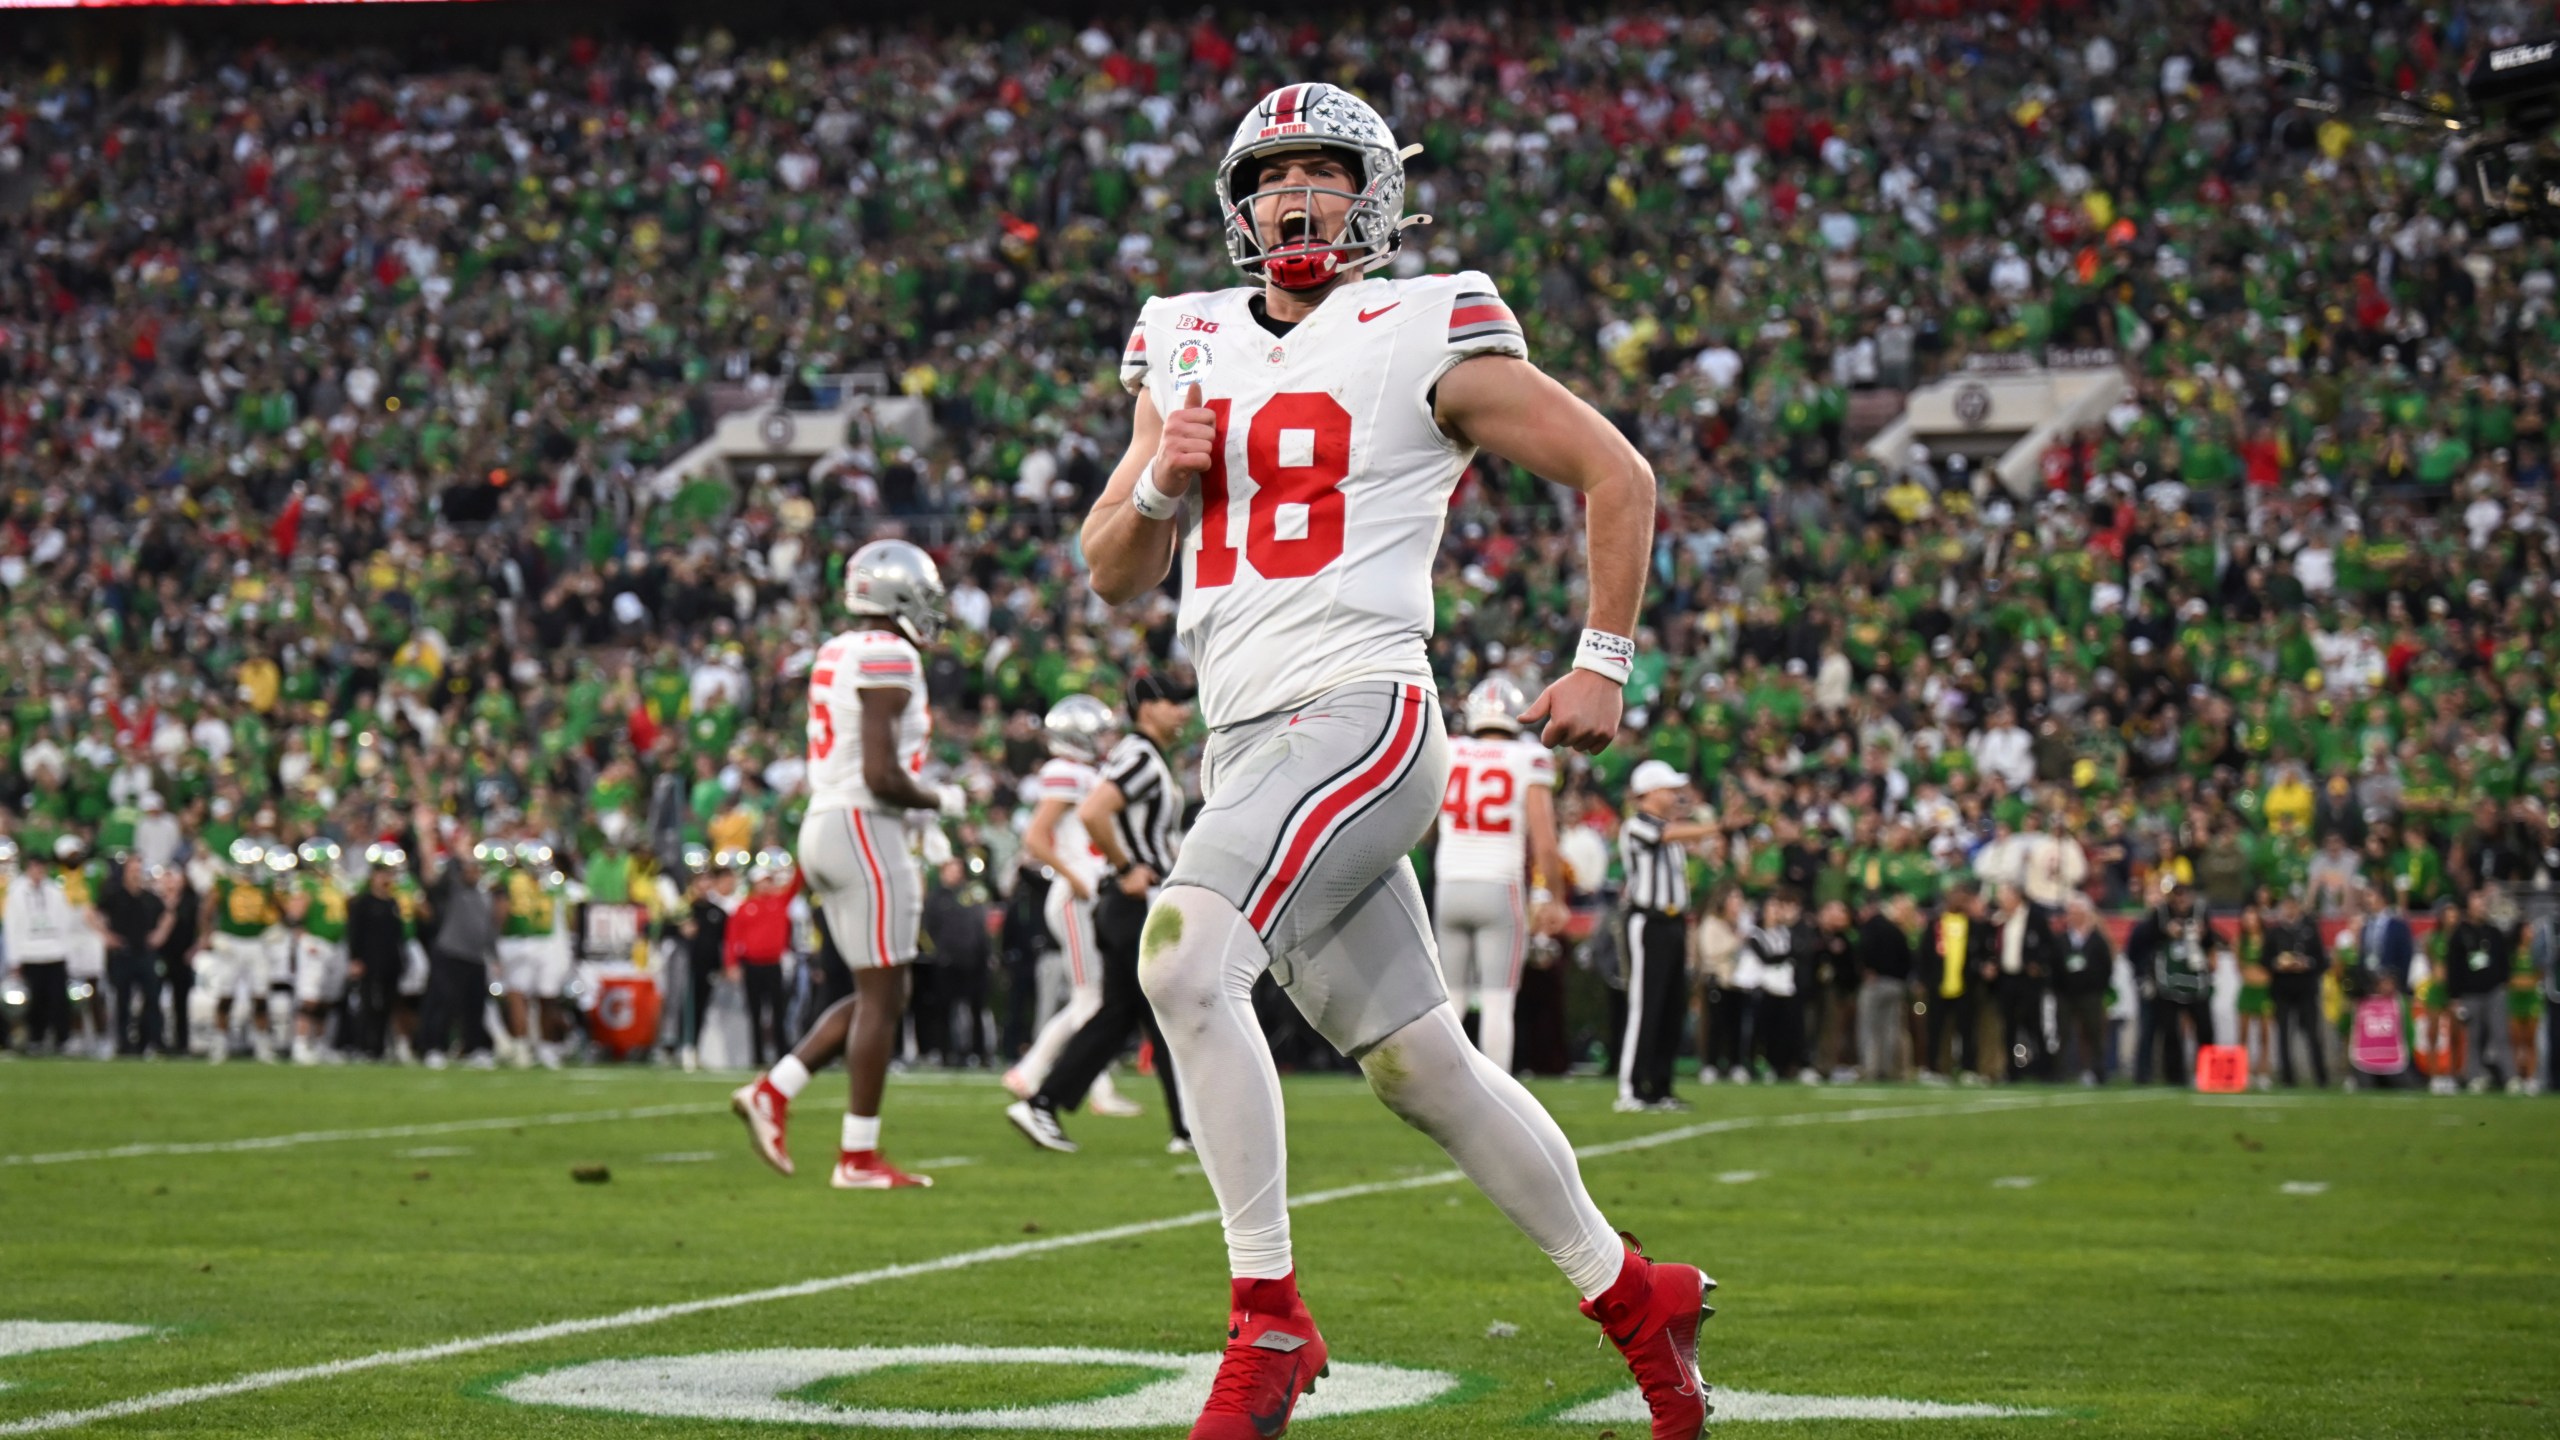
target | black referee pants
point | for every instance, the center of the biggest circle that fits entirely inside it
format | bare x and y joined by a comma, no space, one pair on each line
1117,920
1657,986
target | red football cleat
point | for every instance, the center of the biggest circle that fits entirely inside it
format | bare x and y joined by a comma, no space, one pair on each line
1274,1355
1652,1314
764,1109
865,1170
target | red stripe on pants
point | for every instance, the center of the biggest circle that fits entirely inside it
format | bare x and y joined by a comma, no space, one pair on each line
1302,841
879,891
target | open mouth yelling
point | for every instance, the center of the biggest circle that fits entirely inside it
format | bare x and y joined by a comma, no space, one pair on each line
1295,229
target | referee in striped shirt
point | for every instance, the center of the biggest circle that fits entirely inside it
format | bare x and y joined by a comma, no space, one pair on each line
1133,817
1656,898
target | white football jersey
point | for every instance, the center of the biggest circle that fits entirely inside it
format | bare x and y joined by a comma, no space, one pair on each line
1071,781
1484,813
855,661
1306,551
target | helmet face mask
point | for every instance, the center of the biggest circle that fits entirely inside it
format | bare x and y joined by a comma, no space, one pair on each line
894,581
1294,119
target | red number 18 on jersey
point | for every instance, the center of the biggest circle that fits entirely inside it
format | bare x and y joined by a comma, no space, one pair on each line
1297,452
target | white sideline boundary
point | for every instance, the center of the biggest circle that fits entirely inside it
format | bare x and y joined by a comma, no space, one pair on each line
964,1260
379,1132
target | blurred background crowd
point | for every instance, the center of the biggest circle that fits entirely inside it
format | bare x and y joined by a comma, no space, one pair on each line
338,387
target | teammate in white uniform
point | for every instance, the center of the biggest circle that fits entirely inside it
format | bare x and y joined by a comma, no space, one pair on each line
1295,446
1079,729
1497,848
867,730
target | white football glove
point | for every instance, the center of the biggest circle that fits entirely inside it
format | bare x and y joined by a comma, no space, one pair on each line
936,846
955,801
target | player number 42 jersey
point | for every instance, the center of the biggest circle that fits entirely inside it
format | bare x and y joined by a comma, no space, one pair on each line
850,663
1484,812
1306,551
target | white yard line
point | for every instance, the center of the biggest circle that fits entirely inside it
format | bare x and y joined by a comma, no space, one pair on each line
379,1132
964,1260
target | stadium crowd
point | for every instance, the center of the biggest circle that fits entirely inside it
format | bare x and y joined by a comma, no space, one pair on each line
335,393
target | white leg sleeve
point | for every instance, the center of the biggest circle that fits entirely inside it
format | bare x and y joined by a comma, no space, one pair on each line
1502,1138
1053,1037
1198,961
1493,1024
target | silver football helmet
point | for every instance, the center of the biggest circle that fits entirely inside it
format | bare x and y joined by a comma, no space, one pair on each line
1078,727
894,581
1309,117
1495,704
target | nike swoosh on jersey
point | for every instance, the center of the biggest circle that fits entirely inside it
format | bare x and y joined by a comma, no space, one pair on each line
1368,315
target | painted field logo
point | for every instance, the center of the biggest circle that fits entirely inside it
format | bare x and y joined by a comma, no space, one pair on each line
773,1386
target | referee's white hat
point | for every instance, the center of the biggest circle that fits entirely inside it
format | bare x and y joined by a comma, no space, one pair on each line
1655,775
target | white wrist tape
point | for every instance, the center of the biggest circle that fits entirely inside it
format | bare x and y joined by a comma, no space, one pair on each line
1150,501
1605,654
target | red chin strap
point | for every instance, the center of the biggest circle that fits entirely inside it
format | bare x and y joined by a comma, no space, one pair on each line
1309,268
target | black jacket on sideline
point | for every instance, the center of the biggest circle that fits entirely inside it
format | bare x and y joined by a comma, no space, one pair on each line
2083,966
374,938
2479,959
2302,938
1884,952
954,931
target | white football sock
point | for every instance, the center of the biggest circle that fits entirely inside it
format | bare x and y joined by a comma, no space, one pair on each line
861,1132
1062,1027
1501,1137
788,1075
1493,1025
1199,961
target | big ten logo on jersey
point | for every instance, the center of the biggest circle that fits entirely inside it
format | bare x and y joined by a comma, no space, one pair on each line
1297,453
1194,322
1479,796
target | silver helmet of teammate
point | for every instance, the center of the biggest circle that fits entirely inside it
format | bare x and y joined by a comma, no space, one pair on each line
894,581
1315,116
1078,727
1495,704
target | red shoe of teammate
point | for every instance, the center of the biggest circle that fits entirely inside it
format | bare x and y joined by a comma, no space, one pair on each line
1652,1314
764,1109
1274,1355
865,1170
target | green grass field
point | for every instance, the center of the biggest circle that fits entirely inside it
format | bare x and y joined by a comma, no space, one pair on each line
2127,1264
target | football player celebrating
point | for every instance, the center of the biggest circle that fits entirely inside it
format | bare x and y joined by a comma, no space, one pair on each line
1079,730
867,731
1497,828
1294,450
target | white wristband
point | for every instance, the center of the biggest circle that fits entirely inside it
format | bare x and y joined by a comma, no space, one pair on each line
1604,654
1150,501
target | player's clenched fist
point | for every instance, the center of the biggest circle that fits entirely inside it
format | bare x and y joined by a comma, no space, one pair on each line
1190,437
1579,712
